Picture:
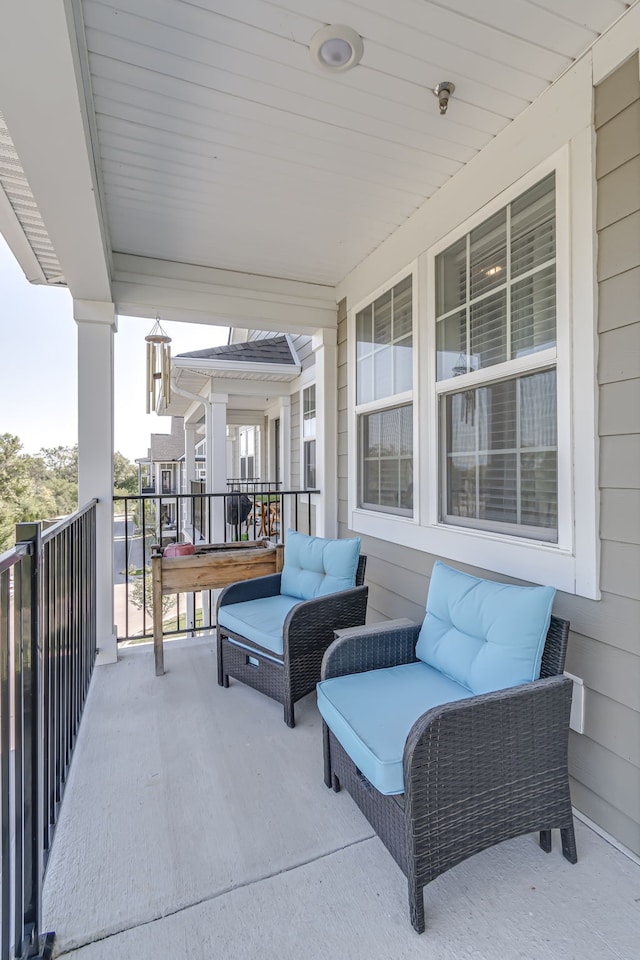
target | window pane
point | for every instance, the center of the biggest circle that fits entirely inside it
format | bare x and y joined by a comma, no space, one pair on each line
497,488
539,472
488,254
364,380
386,444
489,331
533,227
461,486
384,347
501,456
538,411
309,411
364,332
382,319
451,277
382,373
403,365
402,308
451,346
533,313
310,464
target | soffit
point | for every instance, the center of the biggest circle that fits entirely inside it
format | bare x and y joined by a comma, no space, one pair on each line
221,144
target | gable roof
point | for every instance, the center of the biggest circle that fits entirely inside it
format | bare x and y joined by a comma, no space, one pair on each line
268,350
168,446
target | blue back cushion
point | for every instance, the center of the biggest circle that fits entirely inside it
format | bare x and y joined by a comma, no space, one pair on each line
483,634
314,566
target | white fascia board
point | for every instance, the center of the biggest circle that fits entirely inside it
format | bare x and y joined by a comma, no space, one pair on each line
252,388
204,365
11,230
43,103
617,44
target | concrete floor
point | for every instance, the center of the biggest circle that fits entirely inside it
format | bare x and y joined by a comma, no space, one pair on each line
196,825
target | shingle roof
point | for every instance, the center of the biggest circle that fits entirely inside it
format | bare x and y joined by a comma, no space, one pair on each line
168,446
269,350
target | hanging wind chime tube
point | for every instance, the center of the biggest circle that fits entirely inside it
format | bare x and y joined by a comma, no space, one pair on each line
158,366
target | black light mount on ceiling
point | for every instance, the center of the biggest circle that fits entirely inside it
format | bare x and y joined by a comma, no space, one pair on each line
443,91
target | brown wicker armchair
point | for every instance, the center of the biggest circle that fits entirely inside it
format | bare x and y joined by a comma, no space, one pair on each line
305,633
476,771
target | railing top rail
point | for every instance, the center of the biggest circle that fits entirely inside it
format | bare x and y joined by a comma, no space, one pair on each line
10,557
198,496
61,525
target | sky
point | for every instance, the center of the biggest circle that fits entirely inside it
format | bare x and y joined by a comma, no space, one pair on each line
38,366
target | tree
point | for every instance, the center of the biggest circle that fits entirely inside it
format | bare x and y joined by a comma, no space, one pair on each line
125,475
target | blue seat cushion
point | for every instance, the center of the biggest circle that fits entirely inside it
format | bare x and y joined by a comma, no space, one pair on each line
316,566
482,634
259,621
371,714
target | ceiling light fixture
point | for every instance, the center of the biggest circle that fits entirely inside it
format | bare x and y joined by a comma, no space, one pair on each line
336,47
443,91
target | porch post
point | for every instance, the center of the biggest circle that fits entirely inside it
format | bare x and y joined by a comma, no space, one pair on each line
189,456
217,458
96,326
285,461
325,348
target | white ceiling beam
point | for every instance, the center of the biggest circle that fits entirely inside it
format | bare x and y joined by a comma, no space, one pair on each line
146,287
44,106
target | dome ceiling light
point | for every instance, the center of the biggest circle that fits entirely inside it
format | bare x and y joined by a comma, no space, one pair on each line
336,47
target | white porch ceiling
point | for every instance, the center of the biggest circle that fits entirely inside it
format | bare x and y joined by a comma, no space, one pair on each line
216,144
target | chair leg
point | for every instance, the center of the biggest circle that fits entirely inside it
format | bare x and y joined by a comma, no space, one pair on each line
335,783
416,906
326,753
545,840
221,674
289,717
568,837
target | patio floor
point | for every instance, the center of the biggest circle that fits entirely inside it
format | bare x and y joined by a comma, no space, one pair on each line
196,825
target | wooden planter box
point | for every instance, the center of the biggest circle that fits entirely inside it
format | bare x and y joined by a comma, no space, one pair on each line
213,566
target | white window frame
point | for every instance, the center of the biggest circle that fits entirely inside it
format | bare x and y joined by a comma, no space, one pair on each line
571,564
367,514
305,440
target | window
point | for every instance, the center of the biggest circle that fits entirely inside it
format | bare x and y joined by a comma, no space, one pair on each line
166,480
495,294
384,402
247,453
309,437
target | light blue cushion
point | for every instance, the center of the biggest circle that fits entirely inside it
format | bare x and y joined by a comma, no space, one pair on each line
314,566
484,635
371,714
259,621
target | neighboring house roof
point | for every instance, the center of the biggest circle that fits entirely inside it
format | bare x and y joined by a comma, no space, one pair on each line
168,446
269,350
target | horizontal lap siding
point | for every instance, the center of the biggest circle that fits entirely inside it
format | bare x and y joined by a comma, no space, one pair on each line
605,643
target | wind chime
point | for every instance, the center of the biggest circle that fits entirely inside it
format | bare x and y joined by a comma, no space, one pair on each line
158,366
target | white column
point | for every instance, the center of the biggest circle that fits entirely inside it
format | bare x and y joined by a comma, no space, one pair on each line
217,458
325,348
189,475
96,326
285,461
189,455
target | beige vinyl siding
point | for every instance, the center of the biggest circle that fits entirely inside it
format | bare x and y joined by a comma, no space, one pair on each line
604,648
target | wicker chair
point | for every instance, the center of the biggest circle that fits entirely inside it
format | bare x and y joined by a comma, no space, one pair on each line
476,771
308,630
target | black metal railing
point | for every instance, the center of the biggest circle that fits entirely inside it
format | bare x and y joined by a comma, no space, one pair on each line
197,517
47,652
254,485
